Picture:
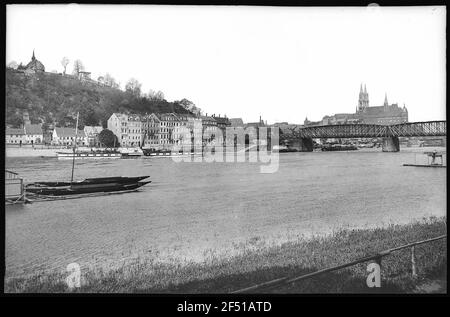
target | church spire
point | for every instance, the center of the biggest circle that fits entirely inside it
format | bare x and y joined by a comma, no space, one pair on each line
33,58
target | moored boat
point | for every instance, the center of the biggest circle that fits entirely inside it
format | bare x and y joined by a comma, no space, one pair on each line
131,152
339,147
99,154
87,186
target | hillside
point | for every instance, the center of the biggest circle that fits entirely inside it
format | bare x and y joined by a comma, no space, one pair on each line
53,98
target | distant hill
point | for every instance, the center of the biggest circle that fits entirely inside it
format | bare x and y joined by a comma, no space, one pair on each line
55,99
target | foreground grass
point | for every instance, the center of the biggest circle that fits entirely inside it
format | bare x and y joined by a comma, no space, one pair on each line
258,262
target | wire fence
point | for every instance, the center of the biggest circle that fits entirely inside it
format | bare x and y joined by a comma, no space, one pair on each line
376,257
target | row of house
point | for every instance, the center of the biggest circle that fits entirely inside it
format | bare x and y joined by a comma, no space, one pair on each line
28,134
34,134
163,131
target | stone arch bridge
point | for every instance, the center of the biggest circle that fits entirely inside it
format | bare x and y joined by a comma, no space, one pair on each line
302,137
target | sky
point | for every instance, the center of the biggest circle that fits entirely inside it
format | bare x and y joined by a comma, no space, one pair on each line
280,63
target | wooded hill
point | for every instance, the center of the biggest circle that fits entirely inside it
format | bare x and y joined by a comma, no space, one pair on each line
55,99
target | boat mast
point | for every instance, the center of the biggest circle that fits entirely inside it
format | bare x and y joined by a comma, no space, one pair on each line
74,146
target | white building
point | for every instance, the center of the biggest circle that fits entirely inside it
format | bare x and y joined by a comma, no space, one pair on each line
34,134
151,126
92,133
127,128
15,136
66,136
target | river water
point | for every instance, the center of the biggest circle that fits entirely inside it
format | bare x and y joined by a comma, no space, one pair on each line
191,209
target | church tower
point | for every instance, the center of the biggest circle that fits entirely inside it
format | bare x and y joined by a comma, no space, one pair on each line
366,97
363,101
385,104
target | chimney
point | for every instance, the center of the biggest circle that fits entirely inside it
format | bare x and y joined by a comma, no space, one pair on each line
259,119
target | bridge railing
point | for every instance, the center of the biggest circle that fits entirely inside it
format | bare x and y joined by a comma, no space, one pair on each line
431,128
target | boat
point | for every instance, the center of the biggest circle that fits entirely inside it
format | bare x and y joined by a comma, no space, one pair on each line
131,152
339,147
87,186
93,154
433,155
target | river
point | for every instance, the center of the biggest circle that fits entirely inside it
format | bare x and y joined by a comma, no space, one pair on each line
190,209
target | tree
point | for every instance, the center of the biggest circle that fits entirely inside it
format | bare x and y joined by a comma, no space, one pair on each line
109,80
108,138
64,62
159,95
77,67
134,87
151,94
13,65
186,104
89,117
190,106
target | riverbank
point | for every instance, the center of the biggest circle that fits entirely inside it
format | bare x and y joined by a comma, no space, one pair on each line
28,151
258,262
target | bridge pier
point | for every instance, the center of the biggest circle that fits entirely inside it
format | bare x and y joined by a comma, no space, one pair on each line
391,144
302,144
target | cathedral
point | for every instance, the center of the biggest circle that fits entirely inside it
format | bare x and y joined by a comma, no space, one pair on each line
385,115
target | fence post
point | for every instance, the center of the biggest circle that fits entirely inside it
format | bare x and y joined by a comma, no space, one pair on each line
413,261
378,261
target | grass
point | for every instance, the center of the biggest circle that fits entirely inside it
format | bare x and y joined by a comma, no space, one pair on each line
257,262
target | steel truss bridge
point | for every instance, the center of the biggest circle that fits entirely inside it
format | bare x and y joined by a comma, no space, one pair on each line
410,129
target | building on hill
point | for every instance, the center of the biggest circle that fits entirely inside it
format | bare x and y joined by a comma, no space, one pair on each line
384,115
34,66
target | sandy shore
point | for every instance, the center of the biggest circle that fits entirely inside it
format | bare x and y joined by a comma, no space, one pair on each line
31,152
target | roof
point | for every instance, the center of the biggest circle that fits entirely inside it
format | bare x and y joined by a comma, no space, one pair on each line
236,122
34,64
381,111
14,131
255,124
33,128
68,132
164,116
150,116
222,120
207,118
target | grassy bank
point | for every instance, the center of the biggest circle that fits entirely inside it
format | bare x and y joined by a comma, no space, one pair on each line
258,262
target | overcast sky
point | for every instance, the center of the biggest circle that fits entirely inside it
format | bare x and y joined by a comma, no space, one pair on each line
280,63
